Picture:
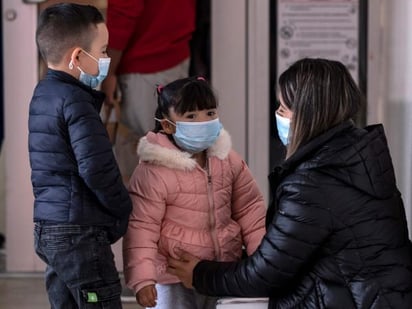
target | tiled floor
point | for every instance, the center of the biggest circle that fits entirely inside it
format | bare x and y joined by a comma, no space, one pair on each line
26,291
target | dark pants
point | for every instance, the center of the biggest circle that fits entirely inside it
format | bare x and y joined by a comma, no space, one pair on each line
80,272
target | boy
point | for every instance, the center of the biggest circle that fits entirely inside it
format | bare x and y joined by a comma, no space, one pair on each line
81,206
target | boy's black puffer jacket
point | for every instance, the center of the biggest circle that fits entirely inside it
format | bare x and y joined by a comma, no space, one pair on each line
337,234
75,177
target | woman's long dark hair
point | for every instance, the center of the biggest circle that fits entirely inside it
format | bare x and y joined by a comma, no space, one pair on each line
321,94
184,95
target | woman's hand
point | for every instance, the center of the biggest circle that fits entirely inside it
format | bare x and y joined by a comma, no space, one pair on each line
183,268
146,297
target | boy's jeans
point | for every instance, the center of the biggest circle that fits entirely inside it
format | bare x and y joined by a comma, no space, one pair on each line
80,272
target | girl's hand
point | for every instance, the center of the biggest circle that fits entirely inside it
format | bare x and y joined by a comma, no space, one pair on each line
183,268
147,296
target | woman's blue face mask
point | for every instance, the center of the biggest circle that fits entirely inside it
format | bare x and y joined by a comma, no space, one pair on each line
283,126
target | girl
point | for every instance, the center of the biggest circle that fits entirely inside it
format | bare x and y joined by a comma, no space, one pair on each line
190,191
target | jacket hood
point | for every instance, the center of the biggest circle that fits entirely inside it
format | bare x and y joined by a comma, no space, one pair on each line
357,157
158,149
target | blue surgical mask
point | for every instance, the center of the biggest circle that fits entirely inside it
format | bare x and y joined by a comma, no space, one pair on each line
91,80
195,137
283,126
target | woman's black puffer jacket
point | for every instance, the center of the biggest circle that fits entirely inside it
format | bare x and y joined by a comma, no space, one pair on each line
337,234
75,176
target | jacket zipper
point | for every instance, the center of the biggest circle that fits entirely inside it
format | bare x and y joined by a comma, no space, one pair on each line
212,219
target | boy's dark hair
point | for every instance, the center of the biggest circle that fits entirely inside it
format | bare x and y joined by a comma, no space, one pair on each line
66,25
184,95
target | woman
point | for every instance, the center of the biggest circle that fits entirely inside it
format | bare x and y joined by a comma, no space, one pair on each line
336,230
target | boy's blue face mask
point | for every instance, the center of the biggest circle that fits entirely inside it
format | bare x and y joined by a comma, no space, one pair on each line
195,137
283,126
91,80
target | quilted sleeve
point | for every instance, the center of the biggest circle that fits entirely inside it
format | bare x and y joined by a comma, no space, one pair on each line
140,244
248,205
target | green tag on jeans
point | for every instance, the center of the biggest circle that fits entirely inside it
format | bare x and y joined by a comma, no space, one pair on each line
92,297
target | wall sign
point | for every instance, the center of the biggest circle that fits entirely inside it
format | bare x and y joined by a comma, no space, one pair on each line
318,29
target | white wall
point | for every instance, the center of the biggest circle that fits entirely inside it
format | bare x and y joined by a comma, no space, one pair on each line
258,92
397,92
389,85
240,75
229,66
20,67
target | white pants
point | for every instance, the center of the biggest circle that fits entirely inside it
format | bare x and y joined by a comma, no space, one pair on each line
176,296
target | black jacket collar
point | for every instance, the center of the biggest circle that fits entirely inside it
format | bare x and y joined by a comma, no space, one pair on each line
288,166
67,78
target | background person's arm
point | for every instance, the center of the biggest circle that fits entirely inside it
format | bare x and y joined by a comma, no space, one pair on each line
122,17
109,85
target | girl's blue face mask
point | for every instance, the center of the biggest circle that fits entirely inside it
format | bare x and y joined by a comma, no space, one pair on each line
91,80
195,137
283,126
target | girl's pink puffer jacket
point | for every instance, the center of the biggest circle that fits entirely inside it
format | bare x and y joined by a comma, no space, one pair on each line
210,212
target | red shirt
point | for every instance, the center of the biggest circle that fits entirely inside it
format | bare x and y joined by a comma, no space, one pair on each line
154,35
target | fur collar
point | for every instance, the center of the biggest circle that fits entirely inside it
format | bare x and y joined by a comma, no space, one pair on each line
159,150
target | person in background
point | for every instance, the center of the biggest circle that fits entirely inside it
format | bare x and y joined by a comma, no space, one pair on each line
190,190
149,45
337,234
81,205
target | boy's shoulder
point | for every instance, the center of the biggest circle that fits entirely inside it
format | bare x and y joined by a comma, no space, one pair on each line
55,82
62,85
56,95
59,79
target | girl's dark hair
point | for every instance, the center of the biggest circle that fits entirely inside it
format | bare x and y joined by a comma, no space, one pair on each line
66,25
321,94
184,95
